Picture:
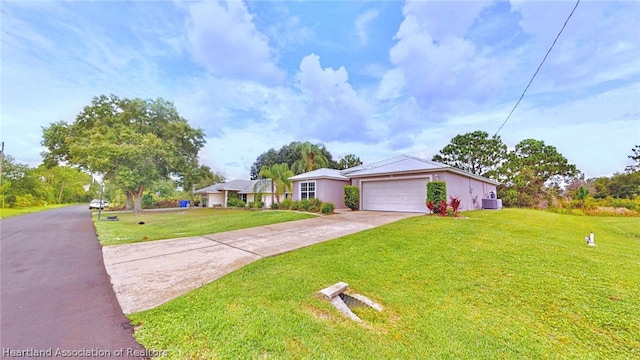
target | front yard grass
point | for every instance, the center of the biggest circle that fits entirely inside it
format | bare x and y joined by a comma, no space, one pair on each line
9,212
183,223
508,284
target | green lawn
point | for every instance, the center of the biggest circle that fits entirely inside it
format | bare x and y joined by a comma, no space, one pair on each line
183,223
501,284
9,212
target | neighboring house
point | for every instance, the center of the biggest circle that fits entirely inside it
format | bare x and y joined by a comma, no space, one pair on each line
217,194
396,184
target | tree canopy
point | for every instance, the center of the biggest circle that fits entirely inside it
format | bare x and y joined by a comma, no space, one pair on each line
311,158
349,161
635,156
201,177
474,152
24,186
530,167
131,142
289,154
279,175
528,173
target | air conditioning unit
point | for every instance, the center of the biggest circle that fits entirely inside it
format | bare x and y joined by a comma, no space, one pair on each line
492,204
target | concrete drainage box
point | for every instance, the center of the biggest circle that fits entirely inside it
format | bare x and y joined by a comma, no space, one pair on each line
345,302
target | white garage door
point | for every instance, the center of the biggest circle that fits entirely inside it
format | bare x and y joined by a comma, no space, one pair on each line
395,195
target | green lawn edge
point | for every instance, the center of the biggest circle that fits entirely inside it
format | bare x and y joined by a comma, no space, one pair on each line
160,225
11,212
504,284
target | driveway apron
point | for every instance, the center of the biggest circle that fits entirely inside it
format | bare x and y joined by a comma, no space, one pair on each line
145,275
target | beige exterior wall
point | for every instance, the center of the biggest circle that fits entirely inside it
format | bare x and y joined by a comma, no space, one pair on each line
327,190
470,191
215,200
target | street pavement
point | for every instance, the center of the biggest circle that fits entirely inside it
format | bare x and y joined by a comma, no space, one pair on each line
55,296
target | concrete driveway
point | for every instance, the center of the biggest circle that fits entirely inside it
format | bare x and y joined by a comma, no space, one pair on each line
145,275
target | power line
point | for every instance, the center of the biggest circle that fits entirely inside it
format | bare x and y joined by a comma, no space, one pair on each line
538,69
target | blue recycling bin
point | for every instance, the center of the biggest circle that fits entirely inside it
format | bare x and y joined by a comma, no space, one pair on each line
184,203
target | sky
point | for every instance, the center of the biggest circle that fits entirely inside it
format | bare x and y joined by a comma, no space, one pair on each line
370,78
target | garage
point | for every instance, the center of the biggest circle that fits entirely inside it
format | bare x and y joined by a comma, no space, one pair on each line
407,195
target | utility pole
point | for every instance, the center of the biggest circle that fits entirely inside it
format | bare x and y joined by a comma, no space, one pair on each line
1,162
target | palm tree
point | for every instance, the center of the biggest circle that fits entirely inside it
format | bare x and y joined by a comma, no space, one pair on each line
279,175
311,159
265,175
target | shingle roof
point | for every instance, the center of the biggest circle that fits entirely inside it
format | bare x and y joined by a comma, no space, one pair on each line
398,164
212,189
264,187
241,186
323,173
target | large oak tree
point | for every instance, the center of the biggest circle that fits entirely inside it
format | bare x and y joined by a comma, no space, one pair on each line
130,142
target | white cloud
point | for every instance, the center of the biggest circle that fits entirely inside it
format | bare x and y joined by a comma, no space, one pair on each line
594,48
215,103
289,32
391,85
443,19
224,40
333,108
362,23
442,69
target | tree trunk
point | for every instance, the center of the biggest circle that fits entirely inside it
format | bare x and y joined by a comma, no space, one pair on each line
138,200
60,194
272,190
128,204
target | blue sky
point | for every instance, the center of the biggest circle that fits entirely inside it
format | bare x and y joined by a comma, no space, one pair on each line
372,78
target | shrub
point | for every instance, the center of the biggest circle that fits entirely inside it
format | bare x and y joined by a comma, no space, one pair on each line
285,204
430,205
275,206
256,204
166,203
437,194
305,204
454,202
327,208
27,200
443,208
235,202
314,205
148,200
295,205
352,197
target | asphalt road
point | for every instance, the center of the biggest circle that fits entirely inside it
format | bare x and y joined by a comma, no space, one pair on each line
55,293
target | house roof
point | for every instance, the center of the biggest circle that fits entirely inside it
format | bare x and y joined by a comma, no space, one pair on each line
323,173
212,189
241,186
402,164
410,164
398,164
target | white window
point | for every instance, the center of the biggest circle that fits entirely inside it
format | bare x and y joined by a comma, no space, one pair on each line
308,190
243,197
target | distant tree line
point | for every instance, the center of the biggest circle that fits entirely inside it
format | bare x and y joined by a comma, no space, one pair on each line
25,186
533,173
301,157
